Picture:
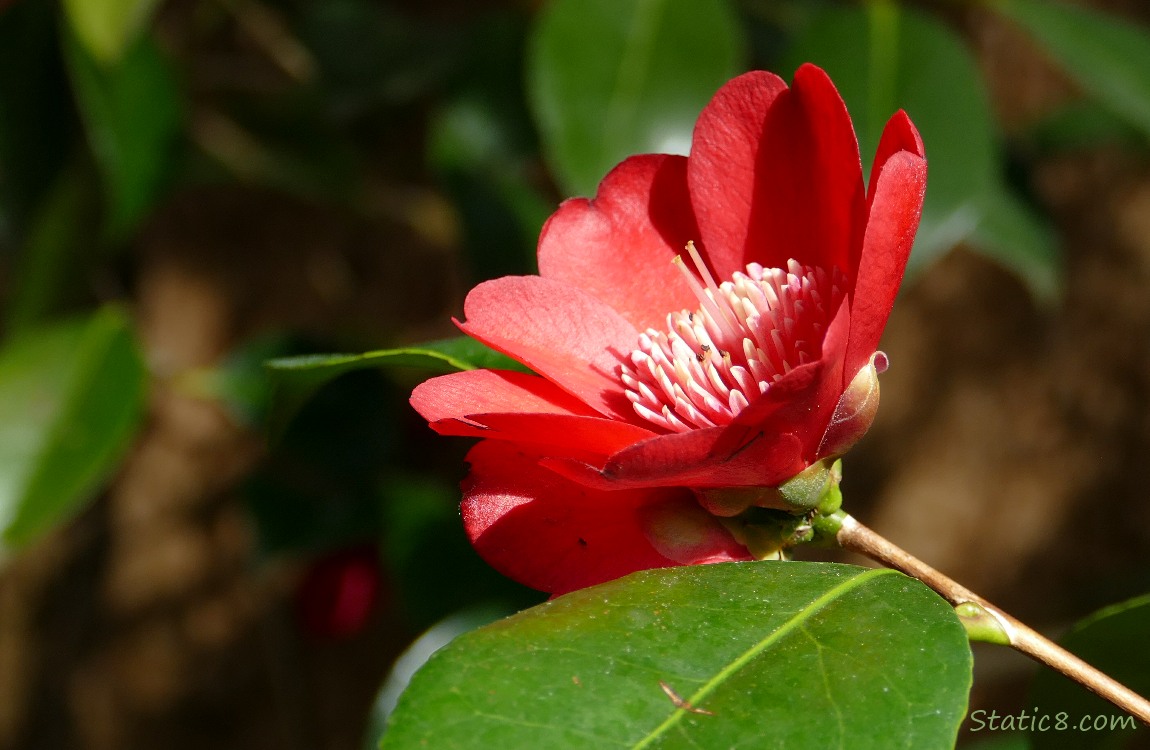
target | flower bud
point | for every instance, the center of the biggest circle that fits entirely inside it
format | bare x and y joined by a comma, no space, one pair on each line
856,409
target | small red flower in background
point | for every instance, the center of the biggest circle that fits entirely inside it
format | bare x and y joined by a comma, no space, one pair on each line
703,328
339,591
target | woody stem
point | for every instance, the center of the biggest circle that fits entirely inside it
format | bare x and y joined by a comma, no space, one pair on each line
856,537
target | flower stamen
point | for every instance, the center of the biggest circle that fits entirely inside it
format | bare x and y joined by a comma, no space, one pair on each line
747,333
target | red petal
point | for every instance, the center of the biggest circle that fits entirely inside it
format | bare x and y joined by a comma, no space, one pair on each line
833,381
775,174
722,172
508,405
557,536
899,184
619,246
800,404
771,440
563,333
459,394
900,134
550,433
690,459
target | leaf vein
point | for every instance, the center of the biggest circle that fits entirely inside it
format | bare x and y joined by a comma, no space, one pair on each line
795,622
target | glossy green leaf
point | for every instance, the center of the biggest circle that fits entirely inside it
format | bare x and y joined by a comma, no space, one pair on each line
132,114
1113,640
800,655
612,78
1109,57
107,27
421,649
71,397
295,379
884,58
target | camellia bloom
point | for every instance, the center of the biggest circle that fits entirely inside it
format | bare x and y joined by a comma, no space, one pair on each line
704,332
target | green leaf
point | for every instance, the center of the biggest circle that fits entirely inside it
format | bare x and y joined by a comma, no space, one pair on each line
1109,57
884,58
803,655
71,398
444,631
1113,640
107,27
612,78
132,114
295,379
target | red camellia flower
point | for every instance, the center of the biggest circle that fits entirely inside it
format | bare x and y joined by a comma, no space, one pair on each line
703,331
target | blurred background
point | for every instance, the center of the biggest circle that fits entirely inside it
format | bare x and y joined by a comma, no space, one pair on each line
191,187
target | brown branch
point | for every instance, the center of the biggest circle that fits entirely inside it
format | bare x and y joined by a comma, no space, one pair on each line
855,537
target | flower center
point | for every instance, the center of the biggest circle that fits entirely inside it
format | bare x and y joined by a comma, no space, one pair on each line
747,333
